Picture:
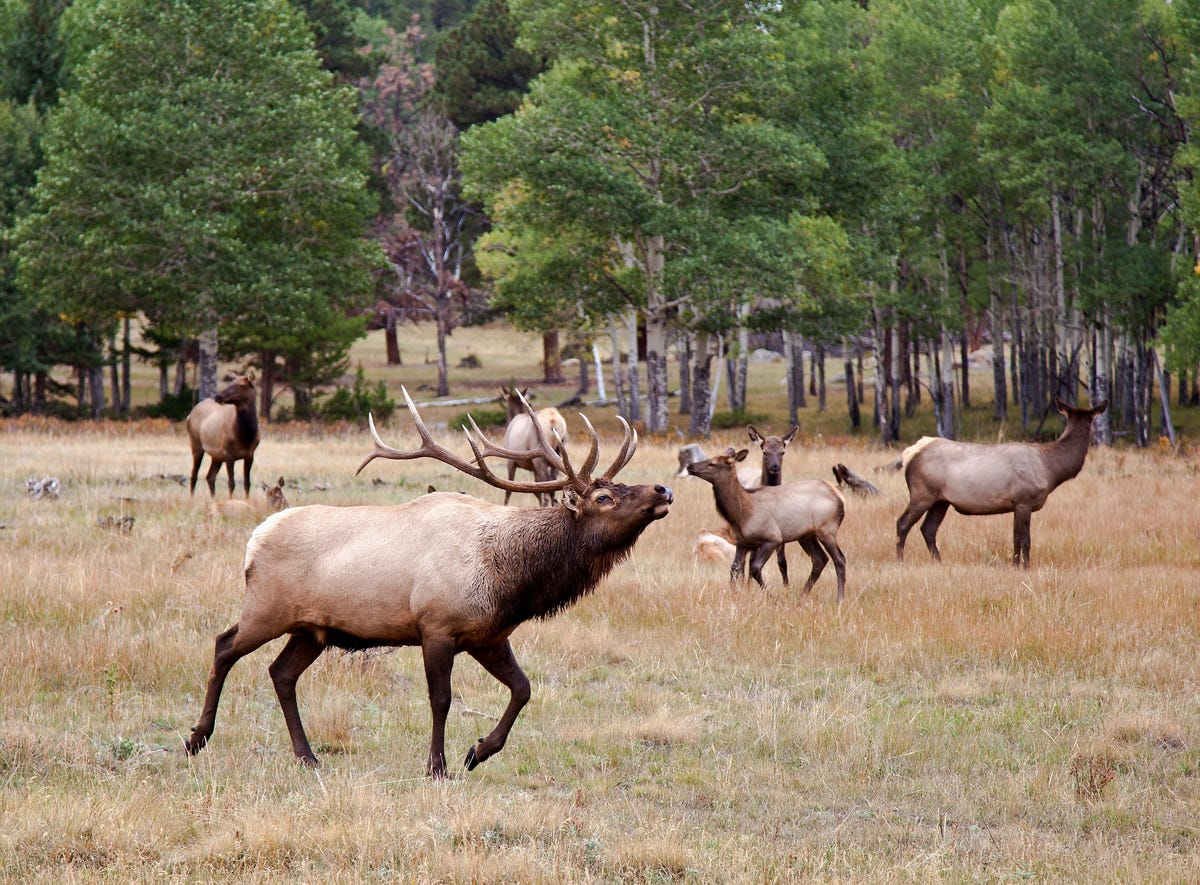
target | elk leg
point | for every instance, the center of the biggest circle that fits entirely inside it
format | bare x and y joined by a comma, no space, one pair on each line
229,650
781,560
1021,540
214,467
839,562
759,559
197,457
904,524
812,547
301,650
246,464
737,570
229,476
438,654
499,661
929,528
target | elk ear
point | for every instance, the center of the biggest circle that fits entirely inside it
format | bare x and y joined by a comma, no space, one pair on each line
1099,408
250,376
755,436
791,433
741,455
571,500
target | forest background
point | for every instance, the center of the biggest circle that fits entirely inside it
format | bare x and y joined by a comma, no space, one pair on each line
904,187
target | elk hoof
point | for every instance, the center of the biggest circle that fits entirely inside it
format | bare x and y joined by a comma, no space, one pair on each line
471,761
309,761
195,743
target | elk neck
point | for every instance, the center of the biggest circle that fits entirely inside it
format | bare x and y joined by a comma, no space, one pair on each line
544,559
1065,456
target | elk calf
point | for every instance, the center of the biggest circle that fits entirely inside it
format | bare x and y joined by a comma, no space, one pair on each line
225,426
980,480
446,571
808,511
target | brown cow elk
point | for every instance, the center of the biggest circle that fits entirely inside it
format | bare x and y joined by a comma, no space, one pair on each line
445,571
773,449
225,426
519,434
977,479
809,511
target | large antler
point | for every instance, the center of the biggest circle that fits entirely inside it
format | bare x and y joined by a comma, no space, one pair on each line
430,449
553,453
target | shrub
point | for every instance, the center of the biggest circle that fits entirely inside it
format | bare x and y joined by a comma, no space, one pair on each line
354,403
485,418
172,407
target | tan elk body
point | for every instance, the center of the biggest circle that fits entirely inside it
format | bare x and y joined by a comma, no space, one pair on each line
978,480
225,427
809,511
446,571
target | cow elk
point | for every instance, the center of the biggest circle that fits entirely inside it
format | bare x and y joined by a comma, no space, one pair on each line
983,479
519,434
773,449
445,571
225,427
750,477
808,511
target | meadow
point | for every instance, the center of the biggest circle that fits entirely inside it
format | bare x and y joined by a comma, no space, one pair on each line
955,722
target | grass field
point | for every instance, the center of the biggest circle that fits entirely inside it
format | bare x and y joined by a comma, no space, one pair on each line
958,722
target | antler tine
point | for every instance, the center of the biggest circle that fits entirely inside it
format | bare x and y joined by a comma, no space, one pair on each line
491,450
430,449
594,453
628,447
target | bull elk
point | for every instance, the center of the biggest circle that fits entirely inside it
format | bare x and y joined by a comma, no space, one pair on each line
808,511
978,480
225,426
519,434
448,572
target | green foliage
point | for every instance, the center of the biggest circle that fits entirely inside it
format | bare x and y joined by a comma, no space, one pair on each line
204,172
355,403
485,418
481,73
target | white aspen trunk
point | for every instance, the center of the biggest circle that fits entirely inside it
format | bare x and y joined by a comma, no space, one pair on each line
949,413
599,372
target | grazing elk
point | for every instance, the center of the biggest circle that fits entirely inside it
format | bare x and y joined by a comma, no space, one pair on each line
445,571
226,427
773,449
809,511
977,479
520,434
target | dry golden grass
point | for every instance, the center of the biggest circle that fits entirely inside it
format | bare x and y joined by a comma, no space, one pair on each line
956,722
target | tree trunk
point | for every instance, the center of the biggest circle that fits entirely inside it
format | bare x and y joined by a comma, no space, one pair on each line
1000,391
632,381
599,364
208,362
126,368
820,351
701,424
391,341
443,372
1102,391
685,374
551,358
851,389
614,334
